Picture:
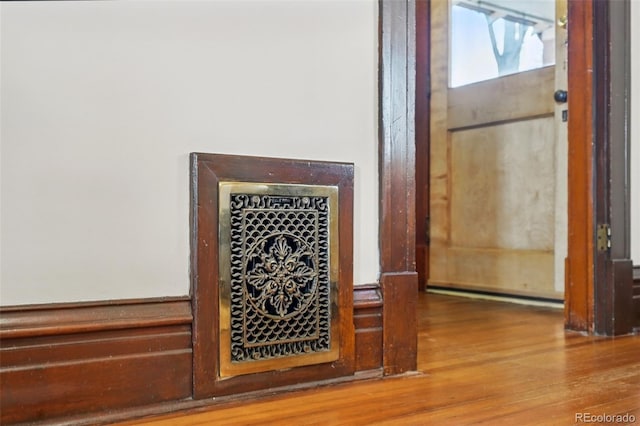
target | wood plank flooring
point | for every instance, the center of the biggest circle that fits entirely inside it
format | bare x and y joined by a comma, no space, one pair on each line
480,362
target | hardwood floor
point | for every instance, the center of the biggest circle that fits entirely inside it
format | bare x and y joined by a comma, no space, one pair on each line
480,362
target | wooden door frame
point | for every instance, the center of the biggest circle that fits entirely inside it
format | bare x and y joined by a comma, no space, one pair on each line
613,309
396,167
599,283
598,185
422,143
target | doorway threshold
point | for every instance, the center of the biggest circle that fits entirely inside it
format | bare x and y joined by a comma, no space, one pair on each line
481,295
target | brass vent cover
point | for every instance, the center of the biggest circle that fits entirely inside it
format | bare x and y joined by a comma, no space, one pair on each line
278,273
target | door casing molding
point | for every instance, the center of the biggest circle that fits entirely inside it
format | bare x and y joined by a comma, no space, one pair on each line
599,283
598,149
613,291
398,278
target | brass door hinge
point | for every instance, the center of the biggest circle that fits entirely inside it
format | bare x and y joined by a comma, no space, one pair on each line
603,236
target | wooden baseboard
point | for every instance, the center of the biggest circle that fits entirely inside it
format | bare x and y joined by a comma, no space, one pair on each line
122,358
85,358
614,304
400,327
367,317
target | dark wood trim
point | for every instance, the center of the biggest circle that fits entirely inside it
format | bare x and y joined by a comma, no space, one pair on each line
145,413
207,171
598,294
581,229
367,318
400,325
136,354
495,364
615,313
367,296
423,104
397,183
613,291
73,318
397,135
61,360
636,297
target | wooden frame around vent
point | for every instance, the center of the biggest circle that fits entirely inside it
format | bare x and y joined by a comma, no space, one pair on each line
207,171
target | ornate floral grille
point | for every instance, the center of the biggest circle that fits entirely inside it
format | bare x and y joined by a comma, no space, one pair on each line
279,276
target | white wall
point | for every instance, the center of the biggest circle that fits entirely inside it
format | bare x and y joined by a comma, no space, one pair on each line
103,101
635,132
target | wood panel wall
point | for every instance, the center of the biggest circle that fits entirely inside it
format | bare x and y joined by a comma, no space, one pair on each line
84,361
87,358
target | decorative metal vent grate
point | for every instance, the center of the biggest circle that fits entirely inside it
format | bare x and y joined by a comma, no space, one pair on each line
277,274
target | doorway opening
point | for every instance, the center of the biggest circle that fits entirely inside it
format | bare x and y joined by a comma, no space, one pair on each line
491,147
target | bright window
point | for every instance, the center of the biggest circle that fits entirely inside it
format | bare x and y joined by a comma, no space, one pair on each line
492,39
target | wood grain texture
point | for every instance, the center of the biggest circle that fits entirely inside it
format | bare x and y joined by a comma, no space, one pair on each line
90,363
72,359
72,318
399,281
439,179
399,322
561,152
502,187
615,314
480,362
580,257
517,272
613,291
367,319
521,96
636,297
493,177
397,136
423,98
207,171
